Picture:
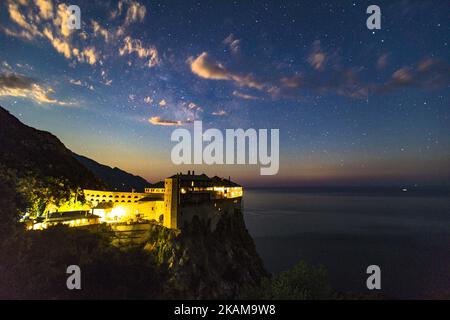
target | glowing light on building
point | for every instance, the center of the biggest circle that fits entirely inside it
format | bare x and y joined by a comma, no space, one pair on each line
117,213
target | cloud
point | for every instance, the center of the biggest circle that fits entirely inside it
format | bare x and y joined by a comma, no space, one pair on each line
5,67
317,57
61,20
18,34
48,19
148,100
118,11
105,79
233,44
89,55
194,107
60,45
244,96
403,76
76,82
219,113
135,12
16,85
45,8
82,84
382,61
100,31
429,73
205,67
176,112
56,30
157,121
294,81
339,80
29,29
135,46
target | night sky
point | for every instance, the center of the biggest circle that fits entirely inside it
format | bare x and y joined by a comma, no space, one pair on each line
354,106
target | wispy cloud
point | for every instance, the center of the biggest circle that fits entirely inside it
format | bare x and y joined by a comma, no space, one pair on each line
148,100
233,43
162,103
100,31
76,82
29,29
150,54
135,12
383,61
429,73
157,121
176,112
45,8
244,96
205,67
16,85
219,113
317,56
33,20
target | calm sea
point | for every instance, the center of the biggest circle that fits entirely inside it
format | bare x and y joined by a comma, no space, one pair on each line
406,233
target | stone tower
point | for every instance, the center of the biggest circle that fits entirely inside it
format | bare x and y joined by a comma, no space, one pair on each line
171,202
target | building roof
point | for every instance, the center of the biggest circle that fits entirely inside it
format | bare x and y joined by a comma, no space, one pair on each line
222,182
214,181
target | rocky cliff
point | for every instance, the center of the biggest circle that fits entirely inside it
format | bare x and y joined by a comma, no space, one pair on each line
205,264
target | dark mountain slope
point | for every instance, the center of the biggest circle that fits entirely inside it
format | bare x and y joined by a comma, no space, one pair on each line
29,151
115,178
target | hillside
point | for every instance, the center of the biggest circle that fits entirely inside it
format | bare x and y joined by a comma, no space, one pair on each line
115,178
36,171
39,153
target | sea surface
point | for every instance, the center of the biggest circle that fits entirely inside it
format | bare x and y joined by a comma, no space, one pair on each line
405,232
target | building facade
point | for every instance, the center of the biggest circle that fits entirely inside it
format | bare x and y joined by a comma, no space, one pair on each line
172,203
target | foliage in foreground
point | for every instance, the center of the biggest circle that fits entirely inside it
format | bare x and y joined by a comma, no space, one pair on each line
33,266
301,282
